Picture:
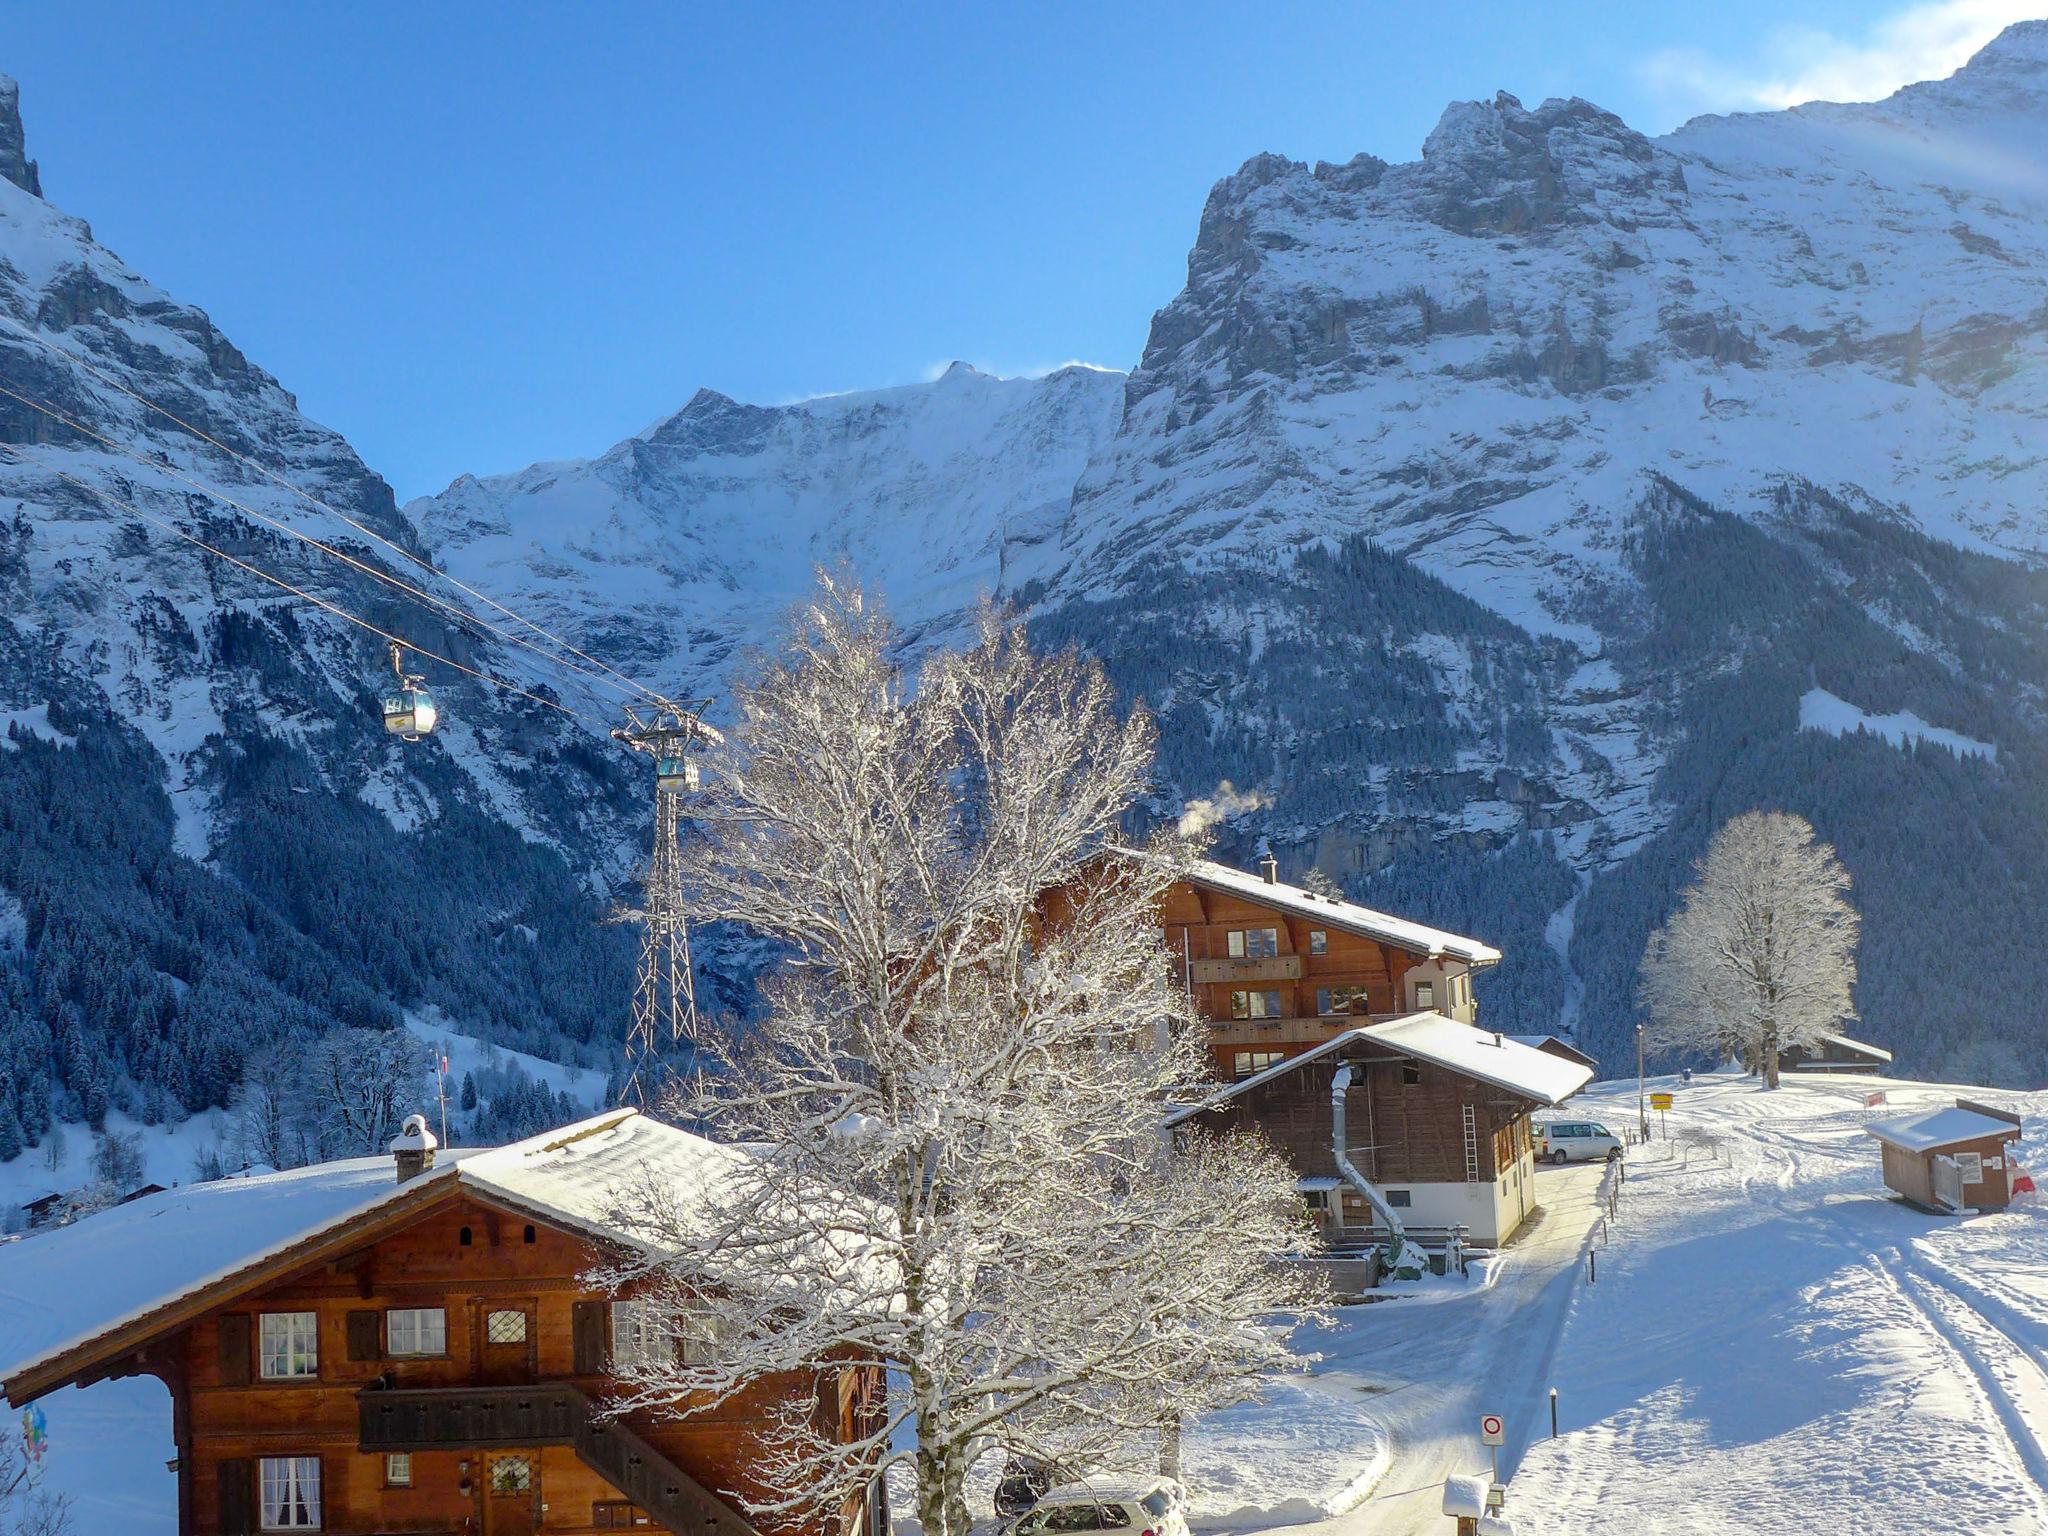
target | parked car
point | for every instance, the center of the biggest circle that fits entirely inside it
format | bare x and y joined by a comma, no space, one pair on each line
1024,1482
1578,1141
1151,1507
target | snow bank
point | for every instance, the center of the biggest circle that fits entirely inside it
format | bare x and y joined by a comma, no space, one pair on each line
1305,1453
1820,710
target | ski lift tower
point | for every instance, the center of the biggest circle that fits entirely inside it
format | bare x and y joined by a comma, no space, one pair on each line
665,993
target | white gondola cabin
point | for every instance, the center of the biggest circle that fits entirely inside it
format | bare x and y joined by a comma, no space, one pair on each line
676,774
409,710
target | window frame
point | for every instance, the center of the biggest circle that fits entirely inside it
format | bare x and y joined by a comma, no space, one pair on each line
1319,941
492,1462
291,1486
291,1353
1246,1063
1239,943
394,1477
1273,1006
417,1315
491,1314
1401,1199
1425,995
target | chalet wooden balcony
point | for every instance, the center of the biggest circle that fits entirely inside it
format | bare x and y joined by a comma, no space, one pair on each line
1264,1034
555,1413
1246,971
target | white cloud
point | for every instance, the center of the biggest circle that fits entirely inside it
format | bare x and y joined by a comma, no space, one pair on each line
1800,64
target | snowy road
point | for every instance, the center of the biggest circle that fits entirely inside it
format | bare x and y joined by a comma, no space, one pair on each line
1431,1365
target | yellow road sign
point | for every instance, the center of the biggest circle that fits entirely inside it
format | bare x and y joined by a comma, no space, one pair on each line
1660,1101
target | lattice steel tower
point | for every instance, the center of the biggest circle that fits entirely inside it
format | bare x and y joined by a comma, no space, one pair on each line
665,994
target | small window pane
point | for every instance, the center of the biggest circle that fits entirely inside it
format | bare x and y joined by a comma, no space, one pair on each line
1237,945
1398,1198
416,1331
505,1327
290,1486
398,1470
1318,942
511,1475
1425,995
289,1346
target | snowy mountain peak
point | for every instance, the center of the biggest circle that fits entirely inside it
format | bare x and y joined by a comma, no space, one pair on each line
2021,49
15,164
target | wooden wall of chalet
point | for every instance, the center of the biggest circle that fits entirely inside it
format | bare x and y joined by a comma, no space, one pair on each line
1398,1132
507,1263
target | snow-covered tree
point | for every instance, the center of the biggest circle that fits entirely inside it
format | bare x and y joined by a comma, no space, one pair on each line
1760,955
959,1082
25,1508
364,1082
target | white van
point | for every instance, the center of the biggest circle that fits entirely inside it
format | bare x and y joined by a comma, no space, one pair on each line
1577,1141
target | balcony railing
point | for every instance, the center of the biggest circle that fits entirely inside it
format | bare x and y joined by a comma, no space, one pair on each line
1246,970
483,1418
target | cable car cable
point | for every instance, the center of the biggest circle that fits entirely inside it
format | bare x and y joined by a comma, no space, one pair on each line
268,473
14,451
442,604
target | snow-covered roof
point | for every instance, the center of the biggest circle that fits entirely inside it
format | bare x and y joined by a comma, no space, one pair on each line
1934,1128
71,1285
1862,1047
1338,913
1432,1037
1538,1042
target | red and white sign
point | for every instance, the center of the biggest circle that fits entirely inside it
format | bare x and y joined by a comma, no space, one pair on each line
1491,1430
1871,1101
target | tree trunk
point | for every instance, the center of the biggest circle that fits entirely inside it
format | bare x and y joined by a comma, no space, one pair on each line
1770,1053
1169,1448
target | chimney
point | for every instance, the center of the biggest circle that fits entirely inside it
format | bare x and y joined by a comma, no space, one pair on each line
1269,869
412,1149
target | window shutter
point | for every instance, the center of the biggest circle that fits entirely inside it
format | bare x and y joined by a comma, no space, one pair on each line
237,1484
233,1328
365,1336
590,1328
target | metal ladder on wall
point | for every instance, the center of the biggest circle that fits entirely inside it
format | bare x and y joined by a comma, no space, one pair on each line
1471,1147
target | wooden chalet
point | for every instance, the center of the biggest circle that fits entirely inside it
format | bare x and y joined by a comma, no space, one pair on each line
1436,1118
1278,968
1956,1158
409,1344
1835,1053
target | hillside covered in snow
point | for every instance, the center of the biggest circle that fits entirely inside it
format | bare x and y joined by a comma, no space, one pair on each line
1486,520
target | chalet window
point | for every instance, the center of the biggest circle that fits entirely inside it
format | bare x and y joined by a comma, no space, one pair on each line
511,1475
416,1331
398,1469
290,1486
1248,1062
1257,1003
1316,1199
1337,1000
1425,994
637,1339
1318,942
1411,1074
1254,943
531,1235
505,1327
1399,1199
289,1347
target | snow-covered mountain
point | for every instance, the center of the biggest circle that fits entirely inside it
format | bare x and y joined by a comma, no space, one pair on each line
210,842
1488,517
662,551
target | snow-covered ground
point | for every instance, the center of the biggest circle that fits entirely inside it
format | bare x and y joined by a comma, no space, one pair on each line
1772,1345
1775,1345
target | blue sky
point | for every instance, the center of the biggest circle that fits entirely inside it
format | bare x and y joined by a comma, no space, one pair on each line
474,235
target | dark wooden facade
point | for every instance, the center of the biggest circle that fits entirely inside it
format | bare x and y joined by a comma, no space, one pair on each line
499,1429
1413,1128
1325,978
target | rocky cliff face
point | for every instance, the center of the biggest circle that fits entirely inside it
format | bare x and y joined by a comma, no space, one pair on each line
211,844
1492,516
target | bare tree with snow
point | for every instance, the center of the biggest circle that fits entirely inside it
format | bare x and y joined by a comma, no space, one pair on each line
363,1083
957,1087
27,1509
1760,956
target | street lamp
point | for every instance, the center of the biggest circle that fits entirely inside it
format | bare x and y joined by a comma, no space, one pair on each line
1642,1113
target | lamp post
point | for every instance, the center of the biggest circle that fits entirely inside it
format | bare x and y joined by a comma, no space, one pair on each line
1642,1114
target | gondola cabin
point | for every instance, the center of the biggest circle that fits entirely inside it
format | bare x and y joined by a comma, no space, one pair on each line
410,713
676,774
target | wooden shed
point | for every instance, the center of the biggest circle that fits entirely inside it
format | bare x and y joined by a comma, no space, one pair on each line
1952,1159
